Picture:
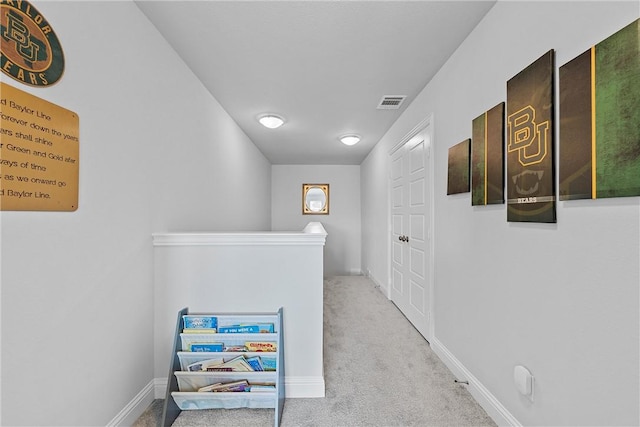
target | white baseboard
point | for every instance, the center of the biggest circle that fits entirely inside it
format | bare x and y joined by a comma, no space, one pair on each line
298,387
135,408
383,288
160,387
311,387
480,393
295,387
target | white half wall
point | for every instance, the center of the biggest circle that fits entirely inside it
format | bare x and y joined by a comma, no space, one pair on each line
563,299
242,273
342,250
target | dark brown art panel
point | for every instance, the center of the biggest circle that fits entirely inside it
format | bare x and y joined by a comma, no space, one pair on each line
531,195
575,128
458,170
495,155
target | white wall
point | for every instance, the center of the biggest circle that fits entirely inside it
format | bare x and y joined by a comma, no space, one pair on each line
342,250
374,176
561,299
157,153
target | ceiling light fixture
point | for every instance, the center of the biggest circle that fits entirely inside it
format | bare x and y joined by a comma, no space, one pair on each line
350,139
271,121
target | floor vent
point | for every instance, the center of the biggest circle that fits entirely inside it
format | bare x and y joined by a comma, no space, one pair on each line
391,102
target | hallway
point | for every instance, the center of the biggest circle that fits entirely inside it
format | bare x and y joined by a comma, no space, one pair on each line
379,371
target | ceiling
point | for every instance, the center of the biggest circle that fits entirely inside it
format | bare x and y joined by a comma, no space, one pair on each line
322,65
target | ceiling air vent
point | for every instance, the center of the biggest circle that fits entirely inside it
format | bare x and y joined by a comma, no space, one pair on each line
391,102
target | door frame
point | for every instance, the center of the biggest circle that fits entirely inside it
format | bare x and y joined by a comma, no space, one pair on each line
426,124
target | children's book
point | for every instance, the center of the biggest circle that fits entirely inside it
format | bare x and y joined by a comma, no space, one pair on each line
242,385
209,387
269,363
247,328
200,322
211,347
204,365
256,363
235,348
237,329
260,346
238,364
258,388
235,364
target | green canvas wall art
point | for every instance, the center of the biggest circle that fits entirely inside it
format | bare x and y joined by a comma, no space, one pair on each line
600,119
487,157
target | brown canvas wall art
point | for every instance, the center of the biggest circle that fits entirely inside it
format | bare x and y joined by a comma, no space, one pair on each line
458,168
531,193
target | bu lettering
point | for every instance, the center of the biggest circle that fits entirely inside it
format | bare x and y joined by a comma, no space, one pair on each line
529,139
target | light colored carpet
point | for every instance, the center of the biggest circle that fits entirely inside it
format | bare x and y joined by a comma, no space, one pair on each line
379,371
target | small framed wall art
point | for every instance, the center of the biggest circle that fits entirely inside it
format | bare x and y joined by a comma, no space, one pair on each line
315,199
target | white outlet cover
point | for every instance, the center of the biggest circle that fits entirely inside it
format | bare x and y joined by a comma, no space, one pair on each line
523,380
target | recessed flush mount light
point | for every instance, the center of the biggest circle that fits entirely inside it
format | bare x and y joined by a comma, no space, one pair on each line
271,121
350,139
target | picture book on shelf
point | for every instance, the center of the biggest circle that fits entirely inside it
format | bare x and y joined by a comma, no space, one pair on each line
200,322
269,363
262,388
247,328
235,386
260,346
213,347
237,364
256,363
221,369
209,387
237,348
205,365
240,363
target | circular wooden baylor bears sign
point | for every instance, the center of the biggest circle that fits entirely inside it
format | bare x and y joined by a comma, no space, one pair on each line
31,51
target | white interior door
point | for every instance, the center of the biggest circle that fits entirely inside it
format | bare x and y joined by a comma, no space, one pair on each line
410,274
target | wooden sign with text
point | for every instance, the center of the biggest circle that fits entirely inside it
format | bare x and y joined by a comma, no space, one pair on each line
39,153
